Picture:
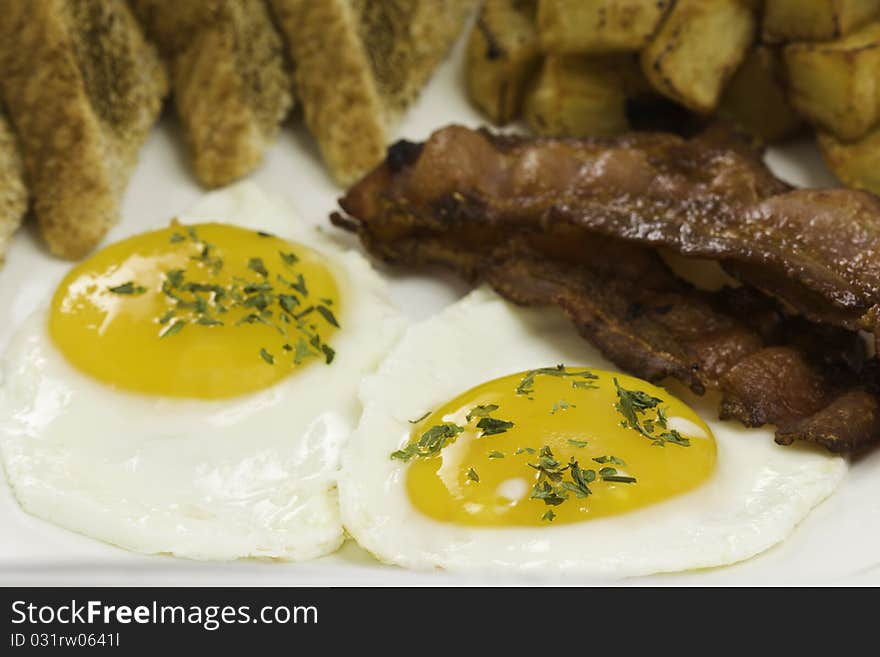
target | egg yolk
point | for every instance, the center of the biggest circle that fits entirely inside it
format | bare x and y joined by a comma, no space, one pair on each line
206,311
554,445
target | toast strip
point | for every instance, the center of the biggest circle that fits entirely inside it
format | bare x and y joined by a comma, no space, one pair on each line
232,87
82,88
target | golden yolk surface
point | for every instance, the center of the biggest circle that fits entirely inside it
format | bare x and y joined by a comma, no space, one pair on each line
206,311
551,446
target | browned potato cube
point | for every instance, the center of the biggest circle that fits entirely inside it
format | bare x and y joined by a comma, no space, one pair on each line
836,84
577,96
856,164
598,26
502,54
815,20
697,49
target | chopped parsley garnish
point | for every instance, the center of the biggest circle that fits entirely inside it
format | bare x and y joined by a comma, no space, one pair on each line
430,443
494,454
128,288
549,516
492,426
483,410
611,474
577,443
279,307
525,450
472,475
552,486
582,378
327,314
173,329
561,405
634,406
417,420
256,264
609,459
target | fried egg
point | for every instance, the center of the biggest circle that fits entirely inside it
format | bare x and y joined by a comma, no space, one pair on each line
495,439
188,390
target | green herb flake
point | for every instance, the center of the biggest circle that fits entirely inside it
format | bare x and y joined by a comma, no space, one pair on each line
577,443
609,459
472,475
167,317
491,426
327,314
496,455
128,288
176,238
266,356
173,329
482,410
527,385
256,265
634,404
549,516
525,450
561,405
301,352
289,259
430,443
419,419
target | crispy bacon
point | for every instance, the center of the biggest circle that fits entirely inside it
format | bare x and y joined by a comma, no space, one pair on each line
464,207
818,251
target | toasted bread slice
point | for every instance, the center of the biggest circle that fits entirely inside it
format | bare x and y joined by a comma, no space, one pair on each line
82,88
231,82
359,64
13,193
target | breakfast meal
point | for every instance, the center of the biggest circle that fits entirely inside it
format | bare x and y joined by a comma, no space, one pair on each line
590,68
667,357
188,389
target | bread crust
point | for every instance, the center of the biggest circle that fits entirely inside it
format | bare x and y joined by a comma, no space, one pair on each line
13,193
359,64
82,88
231,80
335,84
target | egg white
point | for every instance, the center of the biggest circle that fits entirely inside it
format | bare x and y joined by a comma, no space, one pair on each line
253,476
754,499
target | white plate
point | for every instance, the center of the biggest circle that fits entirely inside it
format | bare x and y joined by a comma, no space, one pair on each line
839,543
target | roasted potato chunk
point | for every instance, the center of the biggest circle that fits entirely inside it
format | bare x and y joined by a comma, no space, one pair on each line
856,164
836,84
815,20
577,96
697,48
502,54
598,26
755,99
